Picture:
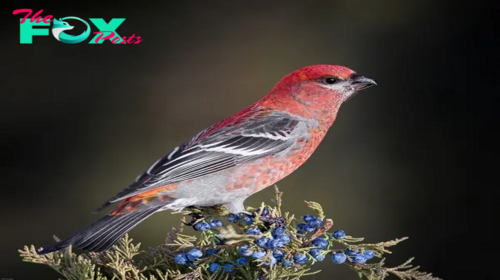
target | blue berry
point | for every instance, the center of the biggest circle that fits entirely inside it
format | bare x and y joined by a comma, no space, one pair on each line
339,258
359,259
213,267
244,251
300,259
215,223
275,244
286,263
351,253
262,242
254,231
315,253
210,252
233,218
278,232
338,234
305,227
202,226
285,238
241,261
320,258
194,254
300,232
368,254
278,255
320,242
248,220
308,218
315,223
258,254
309,229
181,259
229,267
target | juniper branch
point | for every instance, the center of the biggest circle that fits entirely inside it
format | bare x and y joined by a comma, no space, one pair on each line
125,260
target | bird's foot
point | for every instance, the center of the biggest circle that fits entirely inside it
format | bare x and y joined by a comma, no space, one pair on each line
195,216
266,216
236,206
248,213
279,221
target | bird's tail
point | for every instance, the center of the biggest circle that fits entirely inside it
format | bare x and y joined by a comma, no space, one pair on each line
103,233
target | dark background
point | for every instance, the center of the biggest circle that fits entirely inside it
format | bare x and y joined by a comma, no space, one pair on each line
410,157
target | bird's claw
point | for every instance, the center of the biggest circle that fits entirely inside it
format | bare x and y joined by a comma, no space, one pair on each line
194,218
248,213
279,221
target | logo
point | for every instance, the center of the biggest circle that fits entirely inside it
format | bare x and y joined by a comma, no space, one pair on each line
38,26
59,26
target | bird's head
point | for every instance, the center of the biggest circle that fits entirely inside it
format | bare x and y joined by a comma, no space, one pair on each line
318,89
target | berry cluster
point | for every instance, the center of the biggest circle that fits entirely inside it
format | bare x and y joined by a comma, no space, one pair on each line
266,244
270,245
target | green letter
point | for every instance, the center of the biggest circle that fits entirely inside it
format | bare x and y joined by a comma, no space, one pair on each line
27,31
103,26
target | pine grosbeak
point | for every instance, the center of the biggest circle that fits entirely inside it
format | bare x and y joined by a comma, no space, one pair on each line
234,158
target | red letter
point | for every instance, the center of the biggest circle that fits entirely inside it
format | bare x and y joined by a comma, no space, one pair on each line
130,40
115,40
47,19
18,11
37,17
123,41
105,38
138,40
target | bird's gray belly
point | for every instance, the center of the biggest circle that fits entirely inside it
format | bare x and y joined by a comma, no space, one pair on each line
212,189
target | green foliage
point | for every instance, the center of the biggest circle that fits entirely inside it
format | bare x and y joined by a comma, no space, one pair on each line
125,261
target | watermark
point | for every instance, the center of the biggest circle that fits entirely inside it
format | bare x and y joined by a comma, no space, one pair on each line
107,30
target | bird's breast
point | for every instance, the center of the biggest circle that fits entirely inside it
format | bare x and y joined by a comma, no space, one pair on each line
273,168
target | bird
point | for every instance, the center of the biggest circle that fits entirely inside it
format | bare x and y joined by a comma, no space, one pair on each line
232,159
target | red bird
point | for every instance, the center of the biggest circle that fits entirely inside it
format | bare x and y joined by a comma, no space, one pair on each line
234,158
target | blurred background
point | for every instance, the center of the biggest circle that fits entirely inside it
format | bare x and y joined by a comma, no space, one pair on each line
406,158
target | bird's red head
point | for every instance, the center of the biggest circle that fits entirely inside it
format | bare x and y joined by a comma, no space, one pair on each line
314,72
316,91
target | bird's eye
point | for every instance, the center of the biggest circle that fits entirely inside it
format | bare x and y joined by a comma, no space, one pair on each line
329,80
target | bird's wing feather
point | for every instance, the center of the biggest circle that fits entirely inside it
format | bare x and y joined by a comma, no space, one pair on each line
250,136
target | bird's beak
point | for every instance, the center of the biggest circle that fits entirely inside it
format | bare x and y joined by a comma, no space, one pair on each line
360,82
